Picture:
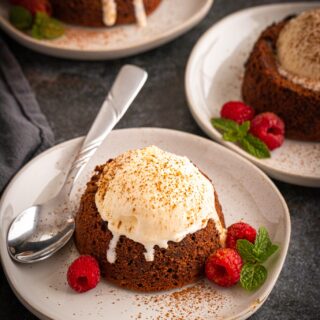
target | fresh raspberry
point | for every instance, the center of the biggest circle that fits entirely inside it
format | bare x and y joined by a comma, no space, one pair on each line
237,231
34,5
83,274
237,111
269,128
223,267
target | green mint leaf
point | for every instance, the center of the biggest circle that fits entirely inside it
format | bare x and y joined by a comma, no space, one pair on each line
37,28
262,243
20,17
232,136
269,252
255,147
253,276
244,128
53,29
234,132
253,273
225,124
231,130
245,249
45,27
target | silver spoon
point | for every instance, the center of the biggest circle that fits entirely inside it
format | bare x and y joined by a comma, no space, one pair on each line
38,232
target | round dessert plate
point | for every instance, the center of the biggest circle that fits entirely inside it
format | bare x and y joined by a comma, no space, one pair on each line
214,76
245,192
170,20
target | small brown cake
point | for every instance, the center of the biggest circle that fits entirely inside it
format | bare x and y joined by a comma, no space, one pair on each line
147,248
282,74
101,13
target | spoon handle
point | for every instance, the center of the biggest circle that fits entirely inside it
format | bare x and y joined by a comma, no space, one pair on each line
126,87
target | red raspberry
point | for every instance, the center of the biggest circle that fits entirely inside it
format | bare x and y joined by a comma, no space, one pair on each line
269,128
83,274
237,231
223,267
237,111
34,5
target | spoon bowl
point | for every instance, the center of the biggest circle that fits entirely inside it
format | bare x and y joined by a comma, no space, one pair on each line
31,237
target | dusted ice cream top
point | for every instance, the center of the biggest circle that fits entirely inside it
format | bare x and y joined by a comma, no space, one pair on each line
298,49
153,197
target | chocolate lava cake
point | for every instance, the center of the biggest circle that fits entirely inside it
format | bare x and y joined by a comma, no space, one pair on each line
270,84
99,13
179,264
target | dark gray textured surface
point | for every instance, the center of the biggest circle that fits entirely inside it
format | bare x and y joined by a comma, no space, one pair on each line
70,94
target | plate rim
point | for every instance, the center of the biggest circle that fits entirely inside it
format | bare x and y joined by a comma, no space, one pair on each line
281,175
106,54
286,215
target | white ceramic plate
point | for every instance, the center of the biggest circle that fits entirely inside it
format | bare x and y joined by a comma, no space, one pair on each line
244,191
214,76
170,20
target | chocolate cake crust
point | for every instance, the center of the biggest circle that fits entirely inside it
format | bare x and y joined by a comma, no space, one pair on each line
89,12
182,263
265,89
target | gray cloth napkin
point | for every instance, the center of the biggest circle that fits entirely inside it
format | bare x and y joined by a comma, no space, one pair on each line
24,130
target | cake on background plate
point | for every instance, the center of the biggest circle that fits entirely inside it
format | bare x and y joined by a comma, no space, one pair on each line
151,219
102,13
282,74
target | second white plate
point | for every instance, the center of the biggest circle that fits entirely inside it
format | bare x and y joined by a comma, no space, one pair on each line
214,76
170,20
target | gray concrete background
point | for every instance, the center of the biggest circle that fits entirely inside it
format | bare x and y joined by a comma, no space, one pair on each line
70,94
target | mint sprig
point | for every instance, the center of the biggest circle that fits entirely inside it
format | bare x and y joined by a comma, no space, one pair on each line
253,273
41,26
233,132
45,27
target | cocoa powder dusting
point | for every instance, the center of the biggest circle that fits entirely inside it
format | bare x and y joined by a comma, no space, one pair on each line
198,301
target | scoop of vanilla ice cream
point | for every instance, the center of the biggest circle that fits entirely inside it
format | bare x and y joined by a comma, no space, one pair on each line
152,197
298,45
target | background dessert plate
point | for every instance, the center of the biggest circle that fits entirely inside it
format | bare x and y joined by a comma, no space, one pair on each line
214,76
170,20
245,192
